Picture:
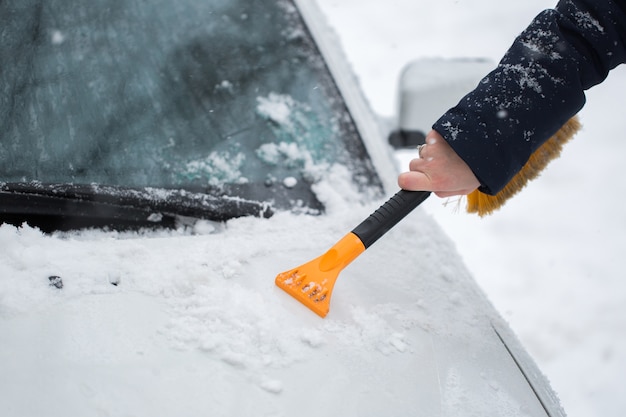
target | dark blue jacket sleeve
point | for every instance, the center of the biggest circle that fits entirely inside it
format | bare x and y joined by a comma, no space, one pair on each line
537,86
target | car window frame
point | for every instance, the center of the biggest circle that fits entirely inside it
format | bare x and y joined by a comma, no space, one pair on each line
366,121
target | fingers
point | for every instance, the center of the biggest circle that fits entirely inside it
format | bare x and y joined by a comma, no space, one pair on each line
438,169
420,181
442,194
434,146
415,181
418,164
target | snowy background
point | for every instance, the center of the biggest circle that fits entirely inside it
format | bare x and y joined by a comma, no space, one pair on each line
552,260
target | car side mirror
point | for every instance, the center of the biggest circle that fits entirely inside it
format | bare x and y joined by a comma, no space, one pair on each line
427,89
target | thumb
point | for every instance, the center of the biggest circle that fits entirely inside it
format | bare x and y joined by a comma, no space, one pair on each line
415,181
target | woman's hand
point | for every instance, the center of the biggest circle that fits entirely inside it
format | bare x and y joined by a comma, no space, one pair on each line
438,169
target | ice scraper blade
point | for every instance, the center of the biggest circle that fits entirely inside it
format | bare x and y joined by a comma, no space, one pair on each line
312,283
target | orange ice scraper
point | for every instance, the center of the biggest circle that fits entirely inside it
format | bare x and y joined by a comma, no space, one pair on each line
312,283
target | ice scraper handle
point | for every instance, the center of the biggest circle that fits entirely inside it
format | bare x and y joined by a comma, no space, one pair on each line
388,215
312,283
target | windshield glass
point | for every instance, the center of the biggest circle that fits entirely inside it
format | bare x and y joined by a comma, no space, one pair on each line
171,94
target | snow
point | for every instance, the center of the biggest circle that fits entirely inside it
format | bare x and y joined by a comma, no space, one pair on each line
194,314
290,182
205,309
217,168
553,259
276,107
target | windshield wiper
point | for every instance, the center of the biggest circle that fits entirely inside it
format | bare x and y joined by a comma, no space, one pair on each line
74,206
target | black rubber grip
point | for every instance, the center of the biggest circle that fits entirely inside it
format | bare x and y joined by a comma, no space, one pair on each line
388,215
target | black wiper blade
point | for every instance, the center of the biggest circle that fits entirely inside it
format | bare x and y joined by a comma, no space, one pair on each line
112,205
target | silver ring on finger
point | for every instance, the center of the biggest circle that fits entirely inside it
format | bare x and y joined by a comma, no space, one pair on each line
419,150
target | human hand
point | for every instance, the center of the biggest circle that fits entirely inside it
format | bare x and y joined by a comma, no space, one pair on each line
438,169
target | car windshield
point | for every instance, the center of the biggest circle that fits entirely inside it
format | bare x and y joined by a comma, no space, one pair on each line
219,96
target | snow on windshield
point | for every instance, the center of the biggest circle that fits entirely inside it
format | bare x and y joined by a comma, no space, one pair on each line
172,95
301,148
276,107
216,169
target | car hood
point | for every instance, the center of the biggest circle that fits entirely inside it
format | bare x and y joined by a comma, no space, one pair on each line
189,322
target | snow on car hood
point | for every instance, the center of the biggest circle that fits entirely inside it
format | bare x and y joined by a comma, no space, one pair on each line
189,322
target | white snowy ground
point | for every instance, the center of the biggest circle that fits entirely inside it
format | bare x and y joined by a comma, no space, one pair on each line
553,259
